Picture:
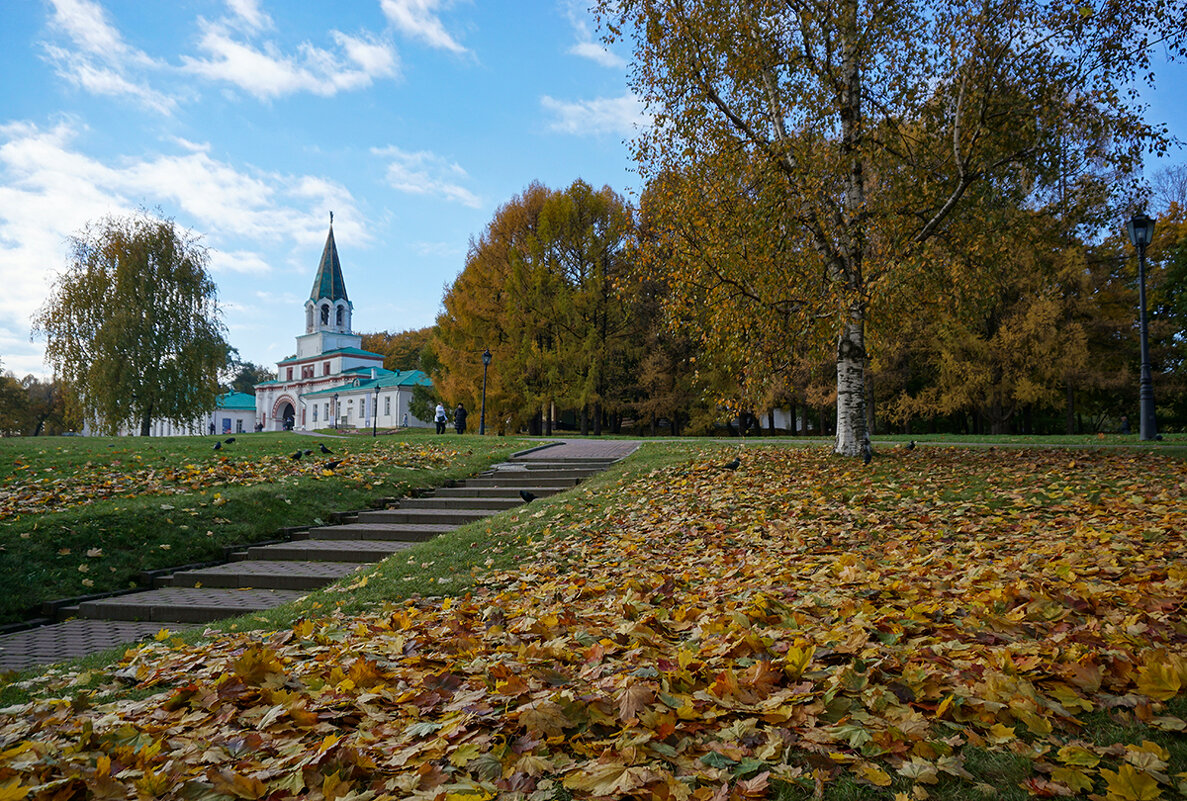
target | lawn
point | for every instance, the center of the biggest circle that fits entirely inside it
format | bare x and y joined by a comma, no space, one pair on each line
945,623
83,515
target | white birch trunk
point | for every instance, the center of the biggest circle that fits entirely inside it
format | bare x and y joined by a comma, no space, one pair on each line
852,433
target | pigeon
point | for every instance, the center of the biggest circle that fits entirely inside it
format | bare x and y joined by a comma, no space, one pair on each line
528,497
331,465
734,464
911,445
307,451
229,440
296,456
867,453
218,446
324,449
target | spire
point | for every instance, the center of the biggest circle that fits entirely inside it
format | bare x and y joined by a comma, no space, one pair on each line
328,284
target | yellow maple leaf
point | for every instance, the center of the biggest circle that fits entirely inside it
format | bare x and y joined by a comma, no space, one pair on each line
1127,784
1076,779
873,774
1081,757
13,791
1159,680
999,734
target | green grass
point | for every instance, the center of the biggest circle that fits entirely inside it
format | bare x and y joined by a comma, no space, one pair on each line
104,545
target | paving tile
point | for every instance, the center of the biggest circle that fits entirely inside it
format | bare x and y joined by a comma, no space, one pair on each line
74,638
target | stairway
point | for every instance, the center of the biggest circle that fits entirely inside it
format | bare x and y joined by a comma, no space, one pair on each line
263,577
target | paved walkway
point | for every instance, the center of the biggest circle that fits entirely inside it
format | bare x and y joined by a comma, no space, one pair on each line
580,449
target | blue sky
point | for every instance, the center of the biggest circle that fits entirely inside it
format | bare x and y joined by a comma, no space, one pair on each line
248,121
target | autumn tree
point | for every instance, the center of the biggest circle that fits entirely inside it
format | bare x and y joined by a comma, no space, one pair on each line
401,350
132,325
880,120
541,289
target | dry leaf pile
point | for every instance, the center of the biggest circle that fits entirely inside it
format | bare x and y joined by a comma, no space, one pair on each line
705,635
24,493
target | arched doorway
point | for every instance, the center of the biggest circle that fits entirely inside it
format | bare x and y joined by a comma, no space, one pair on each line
287,415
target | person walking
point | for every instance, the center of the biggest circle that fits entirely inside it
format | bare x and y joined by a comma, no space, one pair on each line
439,417
459,419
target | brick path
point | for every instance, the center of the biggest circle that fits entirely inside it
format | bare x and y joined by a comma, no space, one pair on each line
580,449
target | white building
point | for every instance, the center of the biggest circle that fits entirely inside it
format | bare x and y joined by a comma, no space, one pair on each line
234,413
331,381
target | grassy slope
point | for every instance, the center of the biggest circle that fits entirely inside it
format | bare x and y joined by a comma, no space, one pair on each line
447,566
44,554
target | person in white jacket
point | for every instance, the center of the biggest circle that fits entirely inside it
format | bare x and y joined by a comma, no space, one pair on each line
441,419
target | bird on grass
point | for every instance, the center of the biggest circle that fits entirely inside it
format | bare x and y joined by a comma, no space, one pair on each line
324,449
229,440
528,497
218,446
734,464
307,451
296,456
867,453
911,445
331,465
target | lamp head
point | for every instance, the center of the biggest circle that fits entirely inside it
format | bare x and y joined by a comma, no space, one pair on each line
486,357
1141,230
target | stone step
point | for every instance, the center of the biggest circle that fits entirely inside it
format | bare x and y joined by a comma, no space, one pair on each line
539,475
395,532
262,574
437,502
524,479
497,492
328,550
440,517
536,464
186,604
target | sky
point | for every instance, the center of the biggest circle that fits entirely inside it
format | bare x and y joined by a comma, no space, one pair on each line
249,121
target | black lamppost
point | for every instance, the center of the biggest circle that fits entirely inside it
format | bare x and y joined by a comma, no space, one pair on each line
375,410
486,357
334,422
1141,233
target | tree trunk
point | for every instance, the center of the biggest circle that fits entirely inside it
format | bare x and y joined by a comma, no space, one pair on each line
597,416
146,421
771,421
654,425
547,413
852,433
584,420
1070,409
795,426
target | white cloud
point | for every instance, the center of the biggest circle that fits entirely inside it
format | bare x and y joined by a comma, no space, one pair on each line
265,72
250,13
597,53
622,115
50,189
418,18
425,173
586,47
100,61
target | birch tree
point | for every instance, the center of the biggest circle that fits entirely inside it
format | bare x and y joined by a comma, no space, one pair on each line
132,325
880,118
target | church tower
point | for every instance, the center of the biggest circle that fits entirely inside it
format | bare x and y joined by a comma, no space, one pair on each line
328,310
328,307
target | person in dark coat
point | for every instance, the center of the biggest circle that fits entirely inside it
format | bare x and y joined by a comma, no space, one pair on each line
459,419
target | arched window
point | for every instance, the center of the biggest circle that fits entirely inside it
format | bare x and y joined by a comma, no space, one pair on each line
341,313
325,314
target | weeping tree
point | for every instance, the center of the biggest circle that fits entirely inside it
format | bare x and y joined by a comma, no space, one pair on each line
132,324
879,119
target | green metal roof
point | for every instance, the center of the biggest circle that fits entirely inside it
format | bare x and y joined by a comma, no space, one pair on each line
387,379
328,283
337,352
236,400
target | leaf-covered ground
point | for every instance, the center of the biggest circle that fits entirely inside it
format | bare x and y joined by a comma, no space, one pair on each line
33,488
797,624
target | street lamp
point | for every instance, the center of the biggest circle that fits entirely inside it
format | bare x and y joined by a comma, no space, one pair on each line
486,357
335,420
375,410
1141,233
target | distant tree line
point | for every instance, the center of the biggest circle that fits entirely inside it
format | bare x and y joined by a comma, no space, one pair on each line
602,317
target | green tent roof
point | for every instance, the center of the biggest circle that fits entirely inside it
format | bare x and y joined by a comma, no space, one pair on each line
236,400
329,284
